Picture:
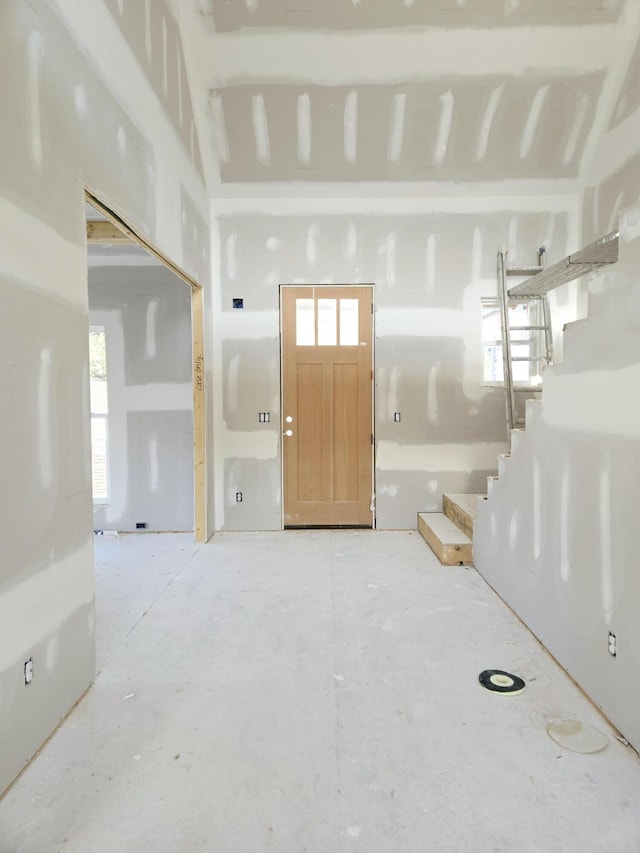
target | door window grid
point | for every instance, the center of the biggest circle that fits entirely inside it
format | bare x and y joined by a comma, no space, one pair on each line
305,323
336,321
327,323
349,332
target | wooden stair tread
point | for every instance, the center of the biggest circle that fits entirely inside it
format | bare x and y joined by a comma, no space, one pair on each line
450,545
446,529
469,503
462,510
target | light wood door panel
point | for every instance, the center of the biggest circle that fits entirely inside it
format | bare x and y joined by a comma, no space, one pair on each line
327,383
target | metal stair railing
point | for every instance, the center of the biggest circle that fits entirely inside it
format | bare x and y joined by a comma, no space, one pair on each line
539,281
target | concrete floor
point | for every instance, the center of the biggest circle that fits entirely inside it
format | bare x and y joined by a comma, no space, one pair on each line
314,691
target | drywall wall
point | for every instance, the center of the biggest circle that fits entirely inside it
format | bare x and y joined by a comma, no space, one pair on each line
146,315
556,537
78,110
430,269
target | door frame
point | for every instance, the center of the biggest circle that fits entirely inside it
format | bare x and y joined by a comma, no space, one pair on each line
198,358
371,286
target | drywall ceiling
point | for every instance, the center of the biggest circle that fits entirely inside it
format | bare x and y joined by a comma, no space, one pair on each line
344,91
232,15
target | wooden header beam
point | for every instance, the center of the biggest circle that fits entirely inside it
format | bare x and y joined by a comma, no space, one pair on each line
101,231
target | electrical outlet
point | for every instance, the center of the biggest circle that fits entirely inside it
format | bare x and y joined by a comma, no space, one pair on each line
28,671
238,497
141,525
613,646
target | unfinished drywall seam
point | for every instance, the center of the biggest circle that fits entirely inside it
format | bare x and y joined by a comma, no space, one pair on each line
592,163
321,199
67,271
33,610
417,54
138,91
431,272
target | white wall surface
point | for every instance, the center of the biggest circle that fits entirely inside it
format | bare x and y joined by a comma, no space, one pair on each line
430,261
146,315
78,110
557,536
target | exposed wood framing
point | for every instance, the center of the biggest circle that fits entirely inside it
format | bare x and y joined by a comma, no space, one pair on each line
99,231
140,240
125,234
199,459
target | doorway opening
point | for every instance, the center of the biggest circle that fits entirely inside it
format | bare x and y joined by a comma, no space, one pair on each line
153,339
327,405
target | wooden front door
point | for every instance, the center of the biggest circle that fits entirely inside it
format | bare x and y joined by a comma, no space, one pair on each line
327,387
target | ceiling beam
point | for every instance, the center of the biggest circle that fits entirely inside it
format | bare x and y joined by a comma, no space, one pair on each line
99,231
301,57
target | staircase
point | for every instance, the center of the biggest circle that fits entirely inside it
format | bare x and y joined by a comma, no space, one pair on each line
449,534
527,341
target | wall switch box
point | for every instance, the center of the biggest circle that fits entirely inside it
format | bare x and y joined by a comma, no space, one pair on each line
397,418
28,671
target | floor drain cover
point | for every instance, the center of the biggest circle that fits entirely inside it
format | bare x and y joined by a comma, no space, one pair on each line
576,736
499,681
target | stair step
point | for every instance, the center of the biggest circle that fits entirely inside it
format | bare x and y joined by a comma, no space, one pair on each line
503,463
450,545
462,510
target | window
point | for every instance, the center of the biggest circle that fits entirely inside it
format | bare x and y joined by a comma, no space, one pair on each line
525,343
349,322
305,323
327,323
99,414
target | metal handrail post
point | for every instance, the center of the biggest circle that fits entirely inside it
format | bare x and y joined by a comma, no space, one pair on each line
506,342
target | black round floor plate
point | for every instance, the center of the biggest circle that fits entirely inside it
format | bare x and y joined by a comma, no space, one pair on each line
499,681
